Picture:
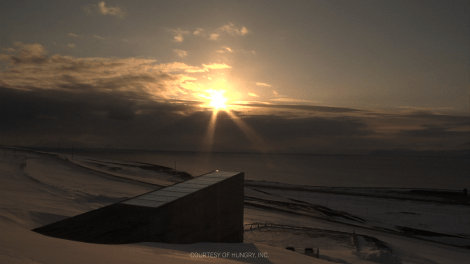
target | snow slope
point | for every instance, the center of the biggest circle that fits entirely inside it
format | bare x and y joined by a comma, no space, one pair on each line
41,189
38,189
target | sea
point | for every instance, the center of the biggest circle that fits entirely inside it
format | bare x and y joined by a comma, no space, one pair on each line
312,170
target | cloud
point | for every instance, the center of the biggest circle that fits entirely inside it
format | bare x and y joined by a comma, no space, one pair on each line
92,115
292,100
124,119
74,35
243,31
139,103
311,126
9,49
215,66
275,93
253,94
180,53
177,67
178,34
263,84
214,36
433,131
98,37
134,75
231,29
102,9
427,114
198,31
180,66
114,11
25,53
71,45
121,113
225,49
311,108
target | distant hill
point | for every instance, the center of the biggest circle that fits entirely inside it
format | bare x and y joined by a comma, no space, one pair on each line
416,153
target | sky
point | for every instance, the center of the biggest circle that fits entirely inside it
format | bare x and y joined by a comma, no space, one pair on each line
331,77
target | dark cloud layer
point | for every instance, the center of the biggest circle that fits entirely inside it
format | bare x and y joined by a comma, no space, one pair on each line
315,108
434,131
116,120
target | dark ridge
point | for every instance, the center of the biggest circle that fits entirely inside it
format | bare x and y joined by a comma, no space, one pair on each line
307,207
461,153
439,193
376,243
420,232
147,166
456,196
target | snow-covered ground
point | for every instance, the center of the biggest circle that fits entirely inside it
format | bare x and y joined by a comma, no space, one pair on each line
447,223
38,189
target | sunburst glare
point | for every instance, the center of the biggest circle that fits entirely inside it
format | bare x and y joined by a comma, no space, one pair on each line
217,99
217,102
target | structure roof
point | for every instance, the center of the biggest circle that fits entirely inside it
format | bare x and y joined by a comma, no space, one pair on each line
168,194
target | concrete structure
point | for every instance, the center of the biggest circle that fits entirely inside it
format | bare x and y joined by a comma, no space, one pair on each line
208,208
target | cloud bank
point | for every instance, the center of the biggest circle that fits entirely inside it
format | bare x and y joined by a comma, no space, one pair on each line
141,104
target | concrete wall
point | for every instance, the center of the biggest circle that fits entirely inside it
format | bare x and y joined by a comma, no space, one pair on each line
212,214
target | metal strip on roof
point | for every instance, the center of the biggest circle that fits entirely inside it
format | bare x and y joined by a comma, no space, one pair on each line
158,198
146,203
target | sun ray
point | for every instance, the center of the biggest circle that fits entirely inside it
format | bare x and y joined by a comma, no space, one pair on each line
254,138
218,103
204,157
209,136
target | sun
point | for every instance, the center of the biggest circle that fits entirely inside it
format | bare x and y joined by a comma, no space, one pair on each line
217,99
